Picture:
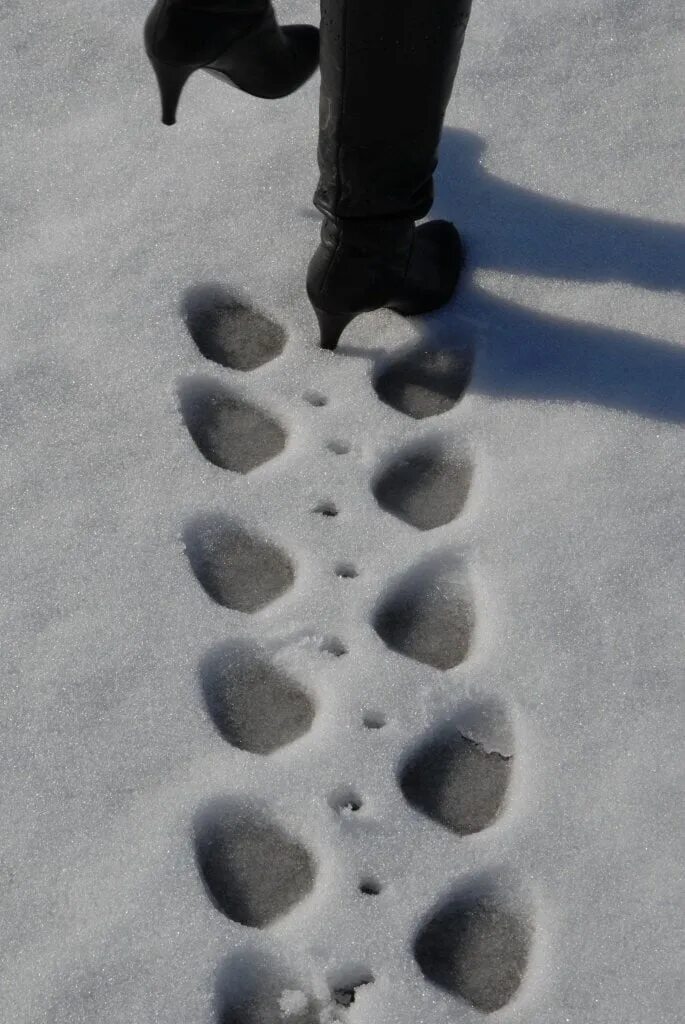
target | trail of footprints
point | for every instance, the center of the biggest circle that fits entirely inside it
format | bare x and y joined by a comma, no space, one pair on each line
475,942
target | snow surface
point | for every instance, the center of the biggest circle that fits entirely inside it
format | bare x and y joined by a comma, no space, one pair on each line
551,602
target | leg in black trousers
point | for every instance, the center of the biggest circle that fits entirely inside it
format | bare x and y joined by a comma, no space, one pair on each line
387,71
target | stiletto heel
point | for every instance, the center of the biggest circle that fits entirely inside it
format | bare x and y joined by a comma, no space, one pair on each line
331,326
171,78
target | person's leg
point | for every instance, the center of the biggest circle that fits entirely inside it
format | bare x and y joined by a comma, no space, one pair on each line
387,71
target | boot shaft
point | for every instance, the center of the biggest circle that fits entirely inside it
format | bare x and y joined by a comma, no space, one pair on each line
387,71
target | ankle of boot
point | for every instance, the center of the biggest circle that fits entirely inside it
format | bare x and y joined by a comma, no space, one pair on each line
360,264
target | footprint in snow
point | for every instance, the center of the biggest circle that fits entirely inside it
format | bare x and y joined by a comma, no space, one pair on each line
476,946
456,781
428,616
425,382
255,706
230,332
424,487
230,432
253,871
253,987
239,570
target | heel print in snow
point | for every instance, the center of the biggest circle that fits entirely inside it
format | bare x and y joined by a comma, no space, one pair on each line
338,447
346,571
345,801
476,947
315,399
456,781
325,508
426,382
429,617
424,487
229,332
254,705
333,646
253,988
239,570
253,872
346,984
230,432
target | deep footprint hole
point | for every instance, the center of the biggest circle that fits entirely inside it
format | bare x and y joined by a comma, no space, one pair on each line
476,947
426,382
238,570
229,432
428,616
346,571
370,887
315,399
456,782
228,331
327,509
346,984
254,705
425,488
253,871
374,720
333,646
345,801
338,447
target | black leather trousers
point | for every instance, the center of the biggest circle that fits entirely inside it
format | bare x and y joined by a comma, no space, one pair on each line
387,71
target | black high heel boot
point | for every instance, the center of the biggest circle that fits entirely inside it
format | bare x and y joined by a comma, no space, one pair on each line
238,41
368,264
387,71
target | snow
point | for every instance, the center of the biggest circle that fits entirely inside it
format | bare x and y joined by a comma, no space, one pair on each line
548,608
